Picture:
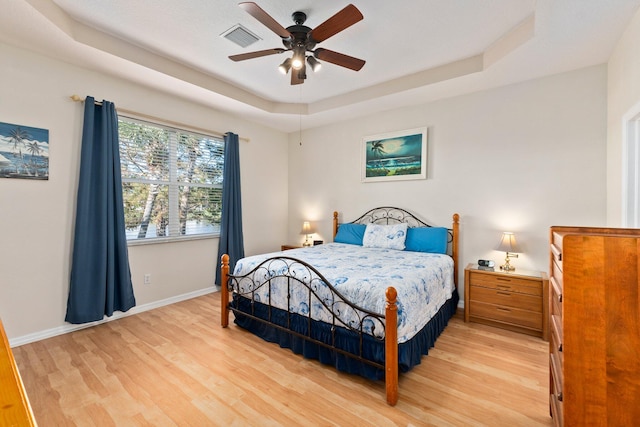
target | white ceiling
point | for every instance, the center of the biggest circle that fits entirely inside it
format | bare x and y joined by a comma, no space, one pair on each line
415,50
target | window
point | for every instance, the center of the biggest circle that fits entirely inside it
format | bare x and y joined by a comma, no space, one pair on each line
171,181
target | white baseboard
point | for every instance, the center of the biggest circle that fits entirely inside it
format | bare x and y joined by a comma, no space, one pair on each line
37,336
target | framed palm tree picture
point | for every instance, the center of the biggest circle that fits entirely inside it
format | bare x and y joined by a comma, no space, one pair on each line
24,152
395,156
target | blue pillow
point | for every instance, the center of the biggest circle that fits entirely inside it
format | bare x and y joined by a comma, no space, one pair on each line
427,239
350,233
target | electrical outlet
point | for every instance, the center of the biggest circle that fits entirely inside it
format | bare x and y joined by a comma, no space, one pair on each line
147,279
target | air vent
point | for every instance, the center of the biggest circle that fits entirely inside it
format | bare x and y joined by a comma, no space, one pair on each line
240,36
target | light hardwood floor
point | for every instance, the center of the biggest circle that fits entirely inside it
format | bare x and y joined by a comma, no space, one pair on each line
175,366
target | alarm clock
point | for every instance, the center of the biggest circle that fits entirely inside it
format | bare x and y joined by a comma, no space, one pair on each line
485,263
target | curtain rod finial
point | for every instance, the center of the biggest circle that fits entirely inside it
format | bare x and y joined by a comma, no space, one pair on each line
76,98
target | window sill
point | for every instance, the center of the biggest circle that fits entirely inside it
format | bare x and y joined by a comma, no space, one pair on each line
159,240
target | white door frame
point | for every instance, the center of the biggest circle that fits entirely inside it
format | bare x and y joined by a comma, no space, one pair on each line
631,168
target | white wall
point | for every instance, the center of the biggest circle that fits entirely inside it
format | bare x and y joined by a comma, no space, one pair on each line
37,217
623,95
518,158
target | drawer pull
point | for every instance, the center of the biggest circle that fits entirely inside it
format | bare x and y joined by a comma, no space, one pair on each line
560,347
503,293
559,396
556,252
503,279
556,288
503,309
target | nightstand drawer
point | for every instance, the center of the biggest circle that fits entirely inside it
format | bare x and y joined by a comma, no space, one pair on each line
506,283
506,298
515,316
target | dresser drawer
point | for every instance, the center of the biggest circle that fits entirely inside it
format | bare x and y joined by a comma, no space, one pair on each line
557,273
555,344
555,297
556,253
557,412
557,239
505,283
557,380
505,298
515,316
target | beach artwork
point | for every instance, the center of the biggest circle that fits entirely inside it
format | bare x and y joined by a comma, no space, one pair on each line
395,156
24,152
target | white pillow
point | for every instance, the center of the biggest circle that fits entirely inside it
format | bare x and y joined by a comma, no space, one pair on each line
385,236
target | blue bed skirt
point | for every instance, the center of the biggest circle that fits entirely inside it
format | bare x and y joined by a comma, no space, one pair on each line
409,353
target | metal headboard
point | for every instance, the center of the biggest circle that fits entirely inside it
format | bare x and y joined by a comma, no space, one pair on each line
390,215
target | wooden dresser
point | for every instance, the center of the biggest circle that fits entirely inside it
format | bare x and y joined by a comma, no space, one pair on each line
14,404
595,326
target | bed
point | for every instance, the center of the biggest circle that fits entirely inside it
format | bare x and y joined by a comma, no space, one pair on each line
370,303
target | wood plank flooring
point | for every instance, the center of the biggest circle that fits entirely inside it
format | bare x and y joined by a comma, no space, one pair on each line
175,366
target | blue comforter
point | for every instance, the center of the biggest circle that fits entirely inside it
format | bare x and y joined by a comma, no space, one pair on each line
424,281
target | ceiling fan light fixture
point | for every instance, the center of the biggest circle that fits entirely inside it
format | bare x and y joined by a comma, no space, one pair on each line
314,64
285,66
301,41
297,62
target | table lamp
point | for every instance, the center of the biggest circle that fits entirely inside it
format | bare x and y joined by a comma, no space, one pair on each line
508,244
307,230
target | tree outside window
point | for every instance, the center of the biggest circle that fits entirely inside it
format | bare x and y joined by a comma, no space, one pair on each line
172,180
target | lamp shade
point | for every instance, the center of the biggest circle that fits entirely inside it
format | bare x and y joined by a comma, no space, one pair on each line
285,66
508,243
307,228
314,63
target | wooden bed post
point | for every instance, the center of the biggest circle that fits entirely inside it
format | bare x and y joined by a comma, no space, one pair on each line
224,297
454,247
391,346
335,223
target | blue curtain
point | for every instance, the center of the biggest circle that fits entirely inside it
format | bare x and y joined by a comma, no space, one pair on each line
100,277
231,240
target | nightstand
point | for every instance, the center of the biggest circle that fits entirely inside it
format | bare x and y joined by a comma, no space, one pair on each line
287,247
515,300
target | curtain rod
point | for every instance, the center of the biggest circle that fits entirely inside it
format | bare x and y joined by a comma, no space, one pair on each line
77,98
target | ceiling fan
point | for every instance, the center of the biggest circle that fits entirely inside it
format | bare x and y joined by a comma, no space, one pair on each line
302,41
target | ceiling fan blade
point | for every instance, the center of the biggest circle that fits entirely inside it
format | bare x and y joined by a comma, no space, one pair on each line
338,22
266,19
339,59
256,54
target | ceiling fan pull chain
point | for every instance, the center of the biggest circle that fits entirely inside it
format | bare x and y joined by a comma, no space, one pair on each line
300,118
